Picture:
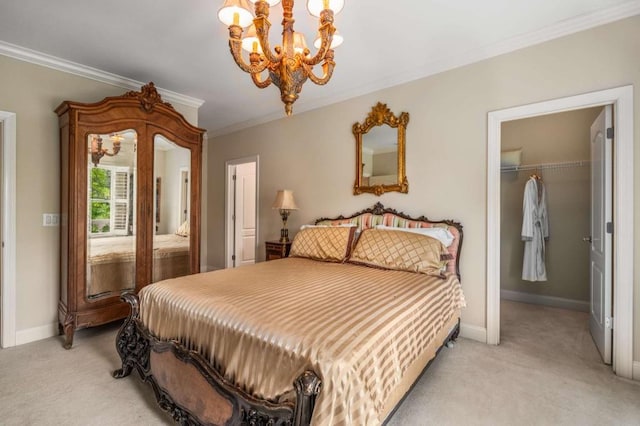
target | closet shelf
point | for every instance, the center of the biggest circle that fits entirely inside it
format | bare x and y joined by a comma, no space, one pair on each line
545,166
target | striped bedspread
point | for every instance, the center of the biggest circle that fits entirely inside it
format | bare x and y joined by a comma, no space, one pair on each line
358,328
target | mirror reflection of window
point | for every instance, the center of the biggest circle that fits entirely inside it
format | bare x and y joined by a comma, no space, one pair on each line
171,250
110,198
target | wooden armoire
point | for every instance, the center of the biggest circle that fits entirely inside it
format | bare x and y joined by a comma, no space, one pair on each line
130,203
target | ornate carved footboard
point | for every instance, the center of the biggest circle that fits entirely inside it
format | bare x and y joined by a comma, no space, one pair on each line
193,392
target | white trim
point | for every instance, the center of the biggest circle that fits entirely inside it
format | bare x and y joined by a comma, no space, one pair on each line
473,332
204,205
8,223
229,169
228,224
540,299
560,29
36,333
493,227
636,370
622,100
49,61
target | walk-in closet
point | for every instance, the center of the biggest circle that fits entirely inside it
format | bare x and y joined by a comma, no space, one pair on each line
547,160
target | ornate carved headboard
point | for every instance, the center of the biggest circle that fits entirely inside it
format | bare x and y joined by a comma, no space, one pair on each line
379,215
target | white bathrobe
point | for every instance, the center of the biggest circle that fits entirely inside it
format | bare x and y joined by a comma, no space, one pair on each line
535,229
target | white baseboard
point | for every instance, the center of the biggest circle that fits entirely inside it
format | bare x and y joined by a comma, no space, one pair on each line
473,332
36,333
537,299
636,370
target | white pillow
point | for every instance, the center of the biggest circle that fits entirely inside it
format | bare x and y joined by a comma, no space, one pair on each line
344,225
441,234
183,230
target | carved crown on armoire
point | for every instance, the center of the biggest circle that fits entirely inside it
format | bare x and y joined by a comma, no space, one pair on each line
130,203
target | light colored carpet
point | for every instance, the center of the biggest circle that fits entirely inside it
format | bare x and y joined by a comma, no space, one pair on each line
546,372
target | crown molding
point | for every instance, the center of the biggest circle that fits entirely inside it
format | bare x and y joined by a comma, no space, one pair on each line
560,29
59,64
551,32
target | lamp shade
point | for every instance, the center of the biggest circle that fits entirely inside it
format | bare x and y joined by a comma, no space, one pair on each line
284,200
299,43
316,6
335,42
251,40
233,10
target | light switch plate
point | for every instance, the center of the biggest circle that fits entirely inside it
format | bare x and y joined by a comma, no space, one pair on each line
50,219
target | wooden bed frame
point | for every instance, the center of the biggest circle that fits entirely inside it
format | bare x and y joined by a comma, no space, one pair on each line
194,392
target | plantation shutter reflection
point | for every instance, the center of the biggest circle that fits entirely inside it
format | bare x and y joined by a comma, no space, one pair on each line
121,202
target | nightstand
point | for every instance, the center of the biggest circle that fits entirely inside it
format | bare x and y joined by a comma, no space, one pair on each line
277,250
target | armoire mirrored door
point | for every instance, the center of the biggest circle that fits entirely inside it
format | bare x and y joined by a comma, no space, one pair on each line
111,203
171,239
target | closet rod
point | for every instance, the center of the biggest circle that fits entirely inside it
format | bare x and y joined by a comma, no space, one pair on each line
545,166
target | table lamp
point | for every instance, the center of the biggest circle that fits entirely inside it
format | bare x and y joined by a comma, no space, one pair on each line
285,203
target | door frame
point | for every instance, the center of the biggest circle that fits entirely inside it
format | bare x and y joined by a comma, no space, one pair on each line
184,194
622,100
8,224
229,194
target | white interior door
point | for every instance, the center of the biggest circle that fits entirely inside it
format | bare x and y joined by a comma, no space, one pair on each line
245,214
600,321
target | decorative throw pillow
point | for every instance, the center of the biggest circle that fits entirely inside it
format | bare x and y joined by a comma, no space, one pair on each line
329,244
183,230
401,251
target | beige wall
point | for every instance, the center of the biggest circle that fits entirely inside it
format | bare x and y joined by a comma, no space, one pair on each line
549,139
446,144
33,92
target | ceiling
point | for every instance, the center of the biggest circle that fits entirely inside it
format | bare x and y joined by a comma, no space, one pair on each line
181,46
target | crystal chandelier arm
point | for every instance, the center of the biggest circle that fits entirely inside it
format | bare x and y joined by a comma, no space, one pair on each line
326,36
262,25
327,68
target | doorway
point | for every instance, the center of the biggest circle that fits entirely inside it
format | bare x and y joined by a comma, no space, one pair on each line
185,191
8,229
241,212
622,100
549,164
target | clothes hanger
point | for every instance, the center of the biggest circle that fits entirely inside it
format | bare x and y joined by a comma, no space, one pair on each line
537,175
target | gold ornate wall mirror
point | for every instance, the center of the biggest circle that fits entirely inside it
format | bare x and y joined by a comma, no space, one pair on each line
380,152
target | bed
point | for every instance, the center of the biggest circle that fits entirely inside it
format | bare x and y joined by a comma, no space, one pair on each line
111,264
308,339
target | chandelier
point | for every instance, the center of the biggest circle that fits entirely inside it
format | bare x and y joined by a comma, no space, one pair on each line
291,64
